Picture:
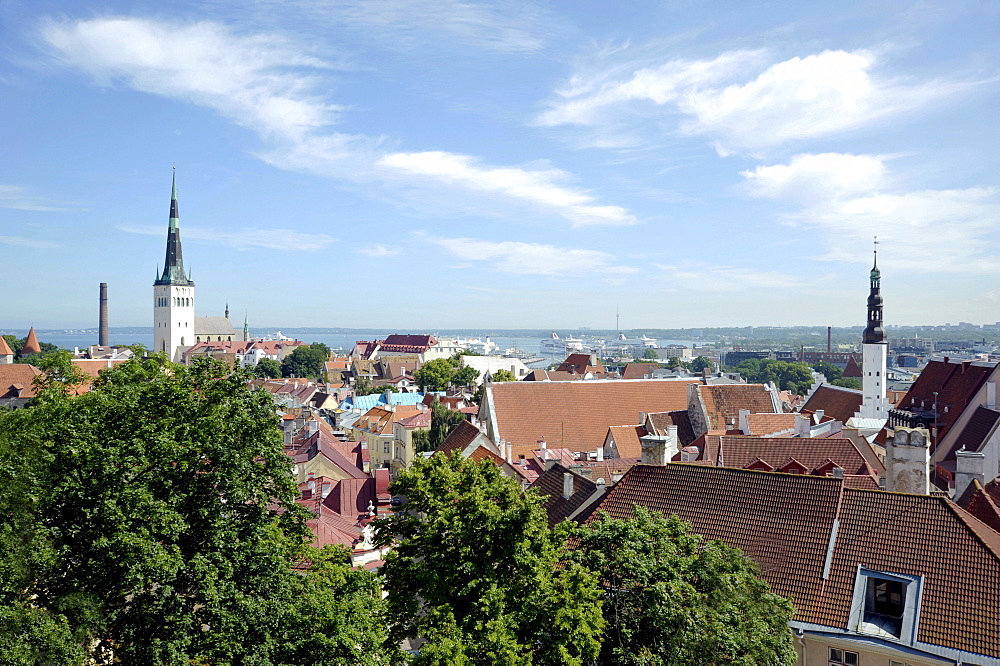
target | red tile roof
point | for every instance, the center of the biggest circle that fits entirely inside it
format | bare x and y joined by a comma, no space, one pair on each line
638,370
459,438
955,382
576,415
981,503
658,423
723,403
31,345
5,349
16,380
836,402
979,428
739,451
550,486
769,424
786,524
626,440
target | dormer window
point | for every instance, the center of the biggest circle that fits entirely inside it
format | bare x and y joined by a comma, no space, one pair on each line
885,604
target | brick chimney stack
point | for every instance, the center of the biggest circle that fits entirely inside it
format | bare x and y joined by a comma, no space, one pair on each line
102,330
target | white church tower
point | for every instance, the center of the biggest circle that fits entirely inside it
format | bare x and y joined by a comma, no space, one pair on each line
173,293
874,350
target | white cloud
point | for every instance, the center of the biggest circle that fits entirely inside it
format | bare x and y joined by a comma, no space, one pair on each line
273,239
268,84
535,186
824,175
260,81
697,277
379,251
851,198
731,98
533,258
17,197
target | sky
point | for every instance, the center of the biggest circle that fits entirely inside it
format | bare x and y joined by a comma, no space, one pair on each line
431,165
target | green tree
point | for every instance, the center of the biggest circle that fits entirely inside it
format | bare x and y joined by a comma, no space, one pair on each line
443,421
435,375
650,354
700,363
477,573
465,376
152,521
502,375
306,361
59,371
672,598
848,382
267,367
422,440
828,370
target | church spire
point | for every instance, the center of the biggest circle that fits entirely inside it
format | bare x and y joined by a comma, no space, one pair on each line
874,333
173,267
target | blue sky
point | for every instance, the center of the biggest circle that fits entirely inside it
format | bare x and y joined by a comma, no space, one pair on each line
428,165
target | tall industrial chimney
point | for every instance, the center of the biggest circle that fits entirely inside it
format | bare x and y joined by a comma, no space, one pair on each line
829,339
102,331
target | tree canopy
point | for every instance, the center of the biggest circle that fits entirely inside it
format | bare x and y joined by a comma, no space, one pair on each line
828,370
795,377
267,367
152,520
440,373
306,361
502,375
672,598
477,573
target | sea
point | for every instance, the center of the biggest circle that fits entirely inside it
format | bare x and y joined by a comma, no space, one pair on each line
526,341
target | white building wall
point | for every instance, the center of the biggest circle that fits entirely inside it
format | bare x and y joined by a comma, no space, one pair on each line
173,319
873,364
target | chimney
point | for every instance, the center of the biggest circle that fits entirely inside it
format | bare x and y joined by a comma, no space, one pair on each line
744,426
968,466
102,334
991,395
907,461
567,485
600,453
802,425
326,489
829,339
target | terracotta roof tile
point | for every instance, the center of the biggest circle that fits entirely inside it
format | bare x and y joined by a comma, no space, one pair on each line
785,522
5,349
31,345
955,382
550,486
836,402
626,440
659,422
459,438
16,380
577,414
739,451
639,370
769,424
980,426
723,402
977,501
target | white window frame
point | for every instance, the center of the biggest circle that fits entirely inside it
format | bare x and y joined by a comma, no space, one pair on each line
912,588
838,657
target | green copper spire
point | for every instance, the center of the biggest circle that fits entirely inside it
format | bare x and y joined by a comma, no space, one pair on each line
173,266
246,327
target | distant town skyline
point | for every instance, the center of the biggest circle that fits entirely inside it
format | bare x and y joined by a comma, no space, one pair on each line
498,166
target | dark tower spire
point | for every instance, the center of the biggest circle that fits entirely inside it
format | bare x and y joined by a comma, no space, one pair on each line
173,267
874,333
